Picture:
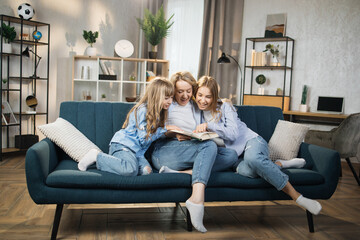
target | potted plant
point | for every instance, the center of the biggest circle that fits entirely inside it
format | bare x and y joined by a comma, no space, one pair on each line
155,28
8,34
260,79
303,106
279,92
103,97
90,38
274,50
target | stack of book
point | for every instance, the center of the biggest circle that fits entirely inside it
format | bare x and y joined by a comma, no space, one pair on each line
258,58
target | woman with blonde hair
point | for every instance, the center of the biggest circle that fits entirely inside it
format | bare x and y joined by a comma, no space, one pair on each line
180,153
144,123
252,149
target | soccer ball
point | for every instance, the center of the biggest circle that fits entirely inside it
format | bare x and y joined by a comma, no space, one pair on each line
26,11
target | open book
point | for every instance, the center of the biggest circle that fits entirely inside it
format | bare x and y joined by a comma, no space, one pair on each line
199,136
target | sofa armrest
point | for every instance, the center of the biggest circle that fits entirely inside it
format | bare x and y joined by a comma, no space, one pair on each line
41,159
323,160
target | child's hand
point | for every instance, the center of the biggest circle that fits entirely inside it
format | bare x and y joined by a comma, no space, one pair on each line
201,128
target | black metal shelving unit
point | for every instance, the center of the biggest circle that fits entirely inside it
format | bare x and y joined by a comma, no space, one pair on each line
8,62
286,68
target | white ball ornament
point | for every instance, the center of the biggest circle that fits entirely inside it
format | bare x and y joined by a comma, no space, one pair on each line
26,11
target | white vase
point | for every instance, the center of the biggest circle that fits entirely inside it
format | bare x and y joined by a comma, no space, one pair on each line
274,61
261,91
7,48
91,51
303,108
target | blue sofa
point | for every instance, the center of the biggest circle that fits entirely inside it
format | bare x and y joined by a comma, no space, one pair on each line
53,178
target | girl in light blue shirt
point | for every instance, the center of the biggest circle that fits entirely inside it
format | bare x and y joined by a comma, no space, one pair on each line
144,124
221,117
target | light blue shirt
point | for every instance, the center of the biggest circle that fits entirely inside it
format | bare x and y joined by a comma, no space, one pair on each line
231,129
134,135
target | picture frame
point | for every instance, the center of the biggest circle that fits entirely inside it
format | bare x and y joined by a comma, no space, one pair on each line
275,25
7,114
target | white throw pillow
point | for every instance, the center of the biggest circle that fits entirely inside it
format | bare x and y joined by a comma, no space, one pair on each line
285,142
68,138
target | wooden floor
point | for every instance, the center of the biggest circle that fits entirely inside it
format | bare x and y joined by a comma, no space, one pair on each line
21,218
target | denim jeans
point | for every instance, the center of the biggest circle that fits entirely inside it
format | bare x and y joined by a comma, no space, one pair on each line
181,155
120,160
256,163
226,159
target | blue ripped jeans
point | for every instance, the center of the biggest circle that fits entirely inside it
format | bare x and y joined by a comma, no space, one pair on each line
181,155
120,160
256,162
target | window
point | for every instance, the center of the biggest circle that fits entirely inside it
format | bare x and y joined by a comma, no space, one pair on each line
183,43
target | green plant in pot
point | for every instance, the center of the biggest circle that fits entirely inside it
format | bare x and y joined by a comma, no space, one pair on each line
155,28
303,106
8,34
90,38
260,79
274,50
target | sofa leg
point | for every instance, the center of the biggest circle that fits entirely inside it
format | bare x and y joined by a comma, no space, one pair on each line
187,215
310,221
353,170
58,211
188,221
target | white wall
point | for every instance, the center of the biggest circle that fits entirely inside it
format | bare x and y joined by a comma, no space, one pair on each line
326,56
114,19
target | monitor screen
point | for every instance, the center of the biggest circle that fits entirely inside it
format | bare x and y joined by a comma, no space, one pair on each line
330,104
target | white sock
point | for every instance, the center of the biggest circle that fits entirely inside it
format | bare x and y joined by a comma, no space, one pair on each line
146,170
312,206
196,215
88,159
165,169
292,163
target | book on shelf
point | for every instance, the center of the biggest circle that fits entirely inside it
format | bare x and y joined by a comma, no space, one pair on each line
258,58
104,68
199,136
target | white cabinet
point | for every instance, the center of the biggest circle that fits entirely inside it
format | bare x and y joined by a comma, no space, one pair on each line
127,79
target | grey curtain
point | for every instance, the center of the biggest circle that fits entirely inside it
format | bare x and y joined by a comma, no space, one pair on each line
222,33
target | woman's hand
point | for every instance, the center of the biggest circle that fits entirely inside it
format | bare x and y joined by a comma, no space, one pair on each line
201,128
173,127
181,137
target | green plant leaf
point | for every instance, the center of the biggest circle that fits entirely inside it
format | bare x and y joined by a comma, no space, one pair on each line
155,27
90,36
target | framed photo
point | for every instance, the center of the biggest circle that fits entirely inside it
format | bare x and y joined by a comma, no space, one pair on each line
7,114
275,25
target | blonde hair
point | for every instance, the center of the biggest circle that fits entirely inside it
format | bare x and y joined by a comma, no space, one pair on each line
184,76
153,98
212,85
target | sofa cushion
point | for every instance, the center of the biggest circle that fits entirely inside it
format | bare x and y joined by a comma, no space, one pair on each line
286,139
66,175
68,138
296,177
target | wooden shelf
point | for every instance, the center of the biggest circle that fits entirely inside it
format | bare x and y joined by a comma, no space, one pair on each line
314,117
267,100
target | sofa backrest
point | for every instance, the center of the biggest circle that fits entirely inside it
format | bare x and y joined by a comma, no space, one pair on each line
260,119
100,120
